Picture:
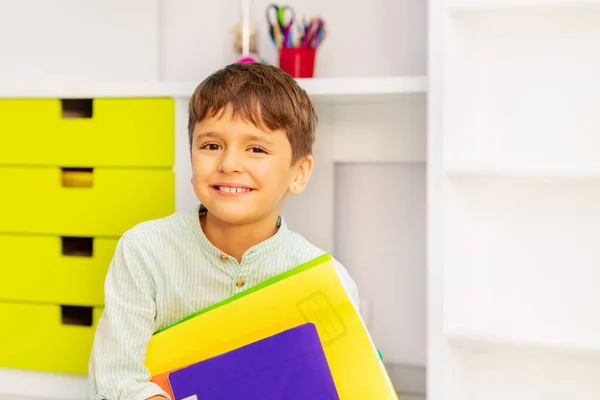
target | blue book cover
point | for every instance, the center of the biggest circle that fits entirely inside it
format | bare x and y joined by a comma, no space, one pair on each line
290,365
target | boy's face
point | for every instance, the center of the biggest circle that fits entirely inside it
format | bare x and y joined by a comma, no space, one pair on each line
240,172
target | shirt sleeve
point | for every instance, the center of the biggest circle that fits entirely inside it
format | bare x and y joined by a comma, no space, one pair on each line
116,367
348,283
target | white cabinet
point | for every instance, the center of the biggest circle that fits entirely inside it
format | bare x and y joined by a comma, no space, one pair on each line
514,188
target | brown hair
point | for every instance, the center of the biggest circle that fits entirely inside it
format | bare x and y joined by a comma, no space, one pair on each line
263,95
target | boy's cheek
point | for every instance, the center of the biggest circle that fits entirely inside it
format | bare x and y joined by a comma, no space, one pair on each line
201,166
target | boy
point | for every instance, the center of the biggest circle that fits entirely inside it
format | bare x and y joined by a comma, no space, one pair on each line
251,130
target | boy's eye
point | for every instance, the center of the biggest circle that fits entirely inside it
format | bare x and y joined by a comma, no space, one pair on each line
211,146
256,149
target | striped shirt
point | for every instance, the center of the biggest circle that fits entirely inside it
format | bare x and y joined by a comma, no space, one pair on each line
164,270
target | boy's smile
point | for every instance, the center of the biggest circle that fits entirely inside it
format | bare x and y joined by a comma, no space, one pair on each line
231,189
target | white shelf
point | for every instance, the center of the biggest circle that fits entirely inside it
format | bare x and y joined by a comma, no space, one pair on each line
490,5
558,172
33,385
323,89
373,87
478,341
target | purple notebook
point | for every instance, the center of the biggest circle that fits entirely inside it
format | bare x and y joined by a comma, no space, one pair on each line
290,365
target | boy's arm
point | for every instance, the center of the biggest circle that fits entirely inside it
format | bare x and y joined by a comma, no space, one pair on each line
116,368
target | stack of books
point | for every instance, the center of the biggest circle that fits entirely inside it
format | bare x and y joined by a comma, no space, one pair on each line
295,336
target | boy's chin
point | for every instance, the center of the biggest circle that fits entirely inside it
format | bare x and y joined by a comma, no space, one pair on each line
234,217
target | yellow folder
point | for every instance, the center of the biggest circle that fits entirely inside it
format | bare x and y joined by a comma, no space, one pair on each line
311,292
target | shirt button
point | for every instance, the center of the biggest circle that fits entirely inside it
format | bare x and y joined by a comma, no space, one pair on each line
239,283
224,257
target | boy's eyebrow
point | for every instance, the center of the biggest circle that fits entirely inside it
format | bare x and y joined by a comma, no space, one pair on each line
205,134
249,136
258,138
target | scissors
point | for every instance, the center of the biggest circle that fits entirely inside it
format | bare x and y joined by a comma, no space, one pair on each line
280,19
281,15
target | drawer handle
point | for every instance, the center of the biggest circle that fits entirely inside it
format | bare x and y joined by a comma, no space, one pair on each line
77,108
77,315
77,177
77,246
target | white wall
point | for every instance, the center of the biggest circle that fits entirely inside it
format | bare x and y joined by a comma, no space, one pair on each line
78,41
380,237
146,40
133,40
382,37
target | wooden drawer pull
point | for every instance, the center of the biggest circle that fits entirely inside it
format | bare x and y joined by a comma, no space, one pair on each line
77,315
77,108
77,246
77,177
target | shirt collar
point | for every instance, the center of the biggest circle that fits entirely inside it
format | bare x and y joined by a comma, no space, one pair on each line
266,246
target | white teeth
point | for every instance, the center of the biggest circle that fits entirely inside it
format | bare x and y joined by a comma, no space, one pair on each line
233,189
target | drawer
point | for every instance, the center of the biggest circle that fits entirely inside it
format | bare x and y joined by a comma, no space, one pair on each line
47,338
50,269
95,133
100,202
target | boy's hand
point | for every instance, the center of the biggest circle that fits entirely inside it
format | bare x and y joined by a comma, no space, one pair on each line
156,398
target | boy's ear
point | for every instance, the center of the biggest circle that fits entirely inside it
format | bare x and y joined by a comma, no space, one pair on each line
301,174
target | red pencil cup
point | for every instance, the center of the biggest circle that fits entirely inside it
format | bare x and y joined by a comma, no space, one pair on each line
298,62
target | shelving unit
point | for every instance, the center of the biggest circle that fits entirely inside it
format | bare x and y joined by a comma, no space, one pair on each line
578,349
330,90
540,172
515,182
495,5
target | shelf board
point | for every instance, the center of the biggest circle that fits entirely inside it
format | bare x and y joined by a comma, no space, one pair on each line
479,341
31,385
339,89
553,172
321,89
461,6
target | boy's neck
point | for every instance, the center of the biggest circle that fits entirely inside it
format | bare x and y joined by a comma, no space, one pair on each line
236,240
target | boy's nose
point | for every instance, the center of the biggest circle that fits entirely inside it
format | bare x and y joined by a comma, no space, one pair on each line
230,162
